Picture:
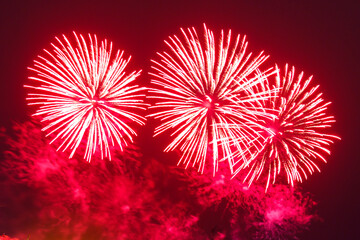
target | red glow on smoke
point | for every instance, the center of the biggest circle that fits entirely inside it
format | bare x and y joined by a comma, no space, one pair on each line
71,199
4,237
51,197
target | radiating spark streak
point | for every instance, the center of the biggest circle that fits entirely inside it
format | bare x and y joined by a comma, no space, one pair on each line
84,95
295,139
202,83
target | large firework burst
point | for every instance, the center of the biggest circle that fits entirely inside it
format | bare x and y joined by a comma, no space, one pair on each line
295,137
202,85
83,93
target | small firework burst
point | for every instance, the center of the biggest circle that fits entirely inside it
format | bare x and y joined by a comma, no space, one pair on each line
83,93
295,137
202,85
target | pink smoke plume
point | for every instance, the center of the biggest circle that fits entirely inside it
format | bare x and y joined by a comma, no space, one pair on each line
47,196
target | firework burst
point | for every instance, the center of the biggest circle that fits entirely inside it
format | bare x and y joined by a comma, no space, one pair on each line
295,137
83,93
200,86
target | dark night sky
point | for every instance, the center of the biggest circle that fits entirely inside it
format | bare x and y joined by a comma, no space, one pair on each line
319,37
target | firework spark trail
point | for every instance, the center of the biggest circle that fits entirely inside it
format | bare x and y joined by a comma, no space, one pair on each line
203,83
83,93
295,138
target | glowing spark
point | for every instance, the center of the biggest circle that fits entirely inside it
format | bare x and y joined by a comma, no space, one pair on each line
83,93
202,85
295,138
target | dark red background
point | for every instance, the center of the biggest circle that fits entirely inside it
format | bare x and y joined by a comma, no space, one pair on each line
321,38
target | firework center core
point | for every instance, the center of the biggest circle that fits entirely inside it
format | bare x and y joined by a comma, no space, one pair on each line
209,103
96,102
274,129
